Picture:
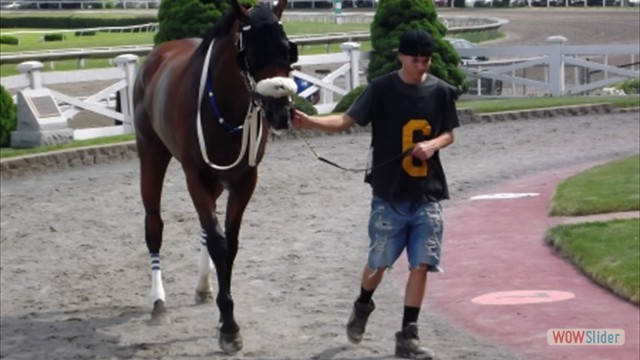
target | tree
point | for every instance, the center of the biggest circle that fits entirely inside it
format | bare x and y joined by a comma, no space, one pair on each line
8,117
392,19
187,18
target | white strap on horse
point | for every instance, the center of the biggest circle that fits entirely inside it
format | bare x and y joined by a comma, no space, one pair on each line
250,129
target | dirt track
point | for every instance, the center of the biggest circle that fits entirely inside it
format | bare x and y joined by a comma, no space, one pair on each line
75,270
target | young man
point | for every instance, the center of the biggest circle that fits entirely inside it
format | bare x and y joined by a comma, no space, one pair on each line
412,116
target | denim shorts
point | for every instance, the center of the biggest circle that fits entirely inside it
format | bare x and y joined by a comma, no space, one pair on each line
416,227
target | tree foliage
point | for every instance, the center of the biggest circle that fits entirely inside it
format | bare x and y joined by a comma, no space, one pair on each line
8,117
187,18
392,19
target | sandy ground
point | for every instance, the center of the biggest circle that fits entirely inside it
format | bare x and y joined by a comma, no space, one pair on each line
75,268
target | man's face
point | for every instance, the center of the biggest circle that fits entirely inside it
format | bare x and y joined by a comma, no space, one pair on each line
415,66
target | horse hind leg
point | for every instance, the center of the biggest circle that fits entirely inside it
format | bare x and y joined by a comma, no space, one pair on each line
204,291
154,159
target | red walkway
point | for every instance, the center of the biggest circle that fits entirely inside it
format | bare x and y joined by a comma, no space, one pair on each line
498,245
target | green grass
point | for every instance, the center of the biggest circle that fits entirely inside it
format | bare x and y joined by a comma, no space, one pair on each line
9,152
497,105
608,188
31,42
607,252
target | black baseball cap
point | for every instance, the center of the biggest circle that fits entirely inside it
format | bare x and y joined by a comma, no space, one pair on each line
416,42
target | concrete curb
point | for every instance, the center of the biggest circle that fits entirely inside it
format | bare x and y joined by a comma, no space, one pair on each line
86,156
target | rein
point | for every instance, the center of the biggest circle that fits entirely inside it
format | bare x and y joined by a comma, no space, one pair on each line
369,168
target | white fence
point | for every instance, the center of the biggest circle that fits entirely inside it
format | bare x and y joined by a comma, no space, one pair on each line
527,70
553,69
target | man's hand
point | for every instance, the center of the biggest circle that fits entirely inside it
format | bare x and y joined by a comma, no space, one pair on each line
300,120
424,150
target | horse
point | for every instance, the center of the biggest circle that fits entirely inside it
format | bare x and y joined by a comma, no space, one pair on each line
210,104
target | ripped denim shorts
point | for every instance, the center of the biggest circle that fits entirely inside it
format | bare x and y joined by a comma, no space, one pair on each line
416,227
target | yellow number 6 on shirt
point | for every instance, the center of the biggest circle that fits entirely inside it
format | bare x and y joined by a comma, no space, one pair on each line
423,126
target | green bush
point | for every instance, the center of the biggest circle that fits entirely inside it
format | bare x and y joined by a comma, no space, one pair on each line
8,117
9,40
392,19
187,18
304,105
85,33
53,37
630,86
347,100
190,18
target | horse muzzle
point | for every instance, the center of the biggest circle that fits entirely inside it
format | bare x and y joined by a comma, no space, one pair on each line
275,98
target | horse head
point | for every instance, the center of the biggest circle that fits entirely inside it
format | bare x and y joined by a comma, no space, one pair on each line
266,55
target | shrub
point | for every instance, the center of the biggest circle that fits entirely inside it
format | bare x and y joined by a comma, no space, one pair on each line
8,117
348,99
53,37
187,18
85,33
9,40
304,105
631,86
190,18
392,19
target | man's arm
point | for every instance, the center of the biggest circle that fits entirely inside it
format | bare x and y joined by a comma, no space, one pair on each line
328,123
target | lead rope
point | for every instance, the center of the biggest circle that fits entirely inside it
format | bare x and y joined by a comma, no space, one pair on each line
325,160
251,123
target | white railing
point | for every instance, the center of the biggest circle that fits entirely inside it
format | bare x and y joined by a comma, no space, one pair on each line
554,69
536,70
102,102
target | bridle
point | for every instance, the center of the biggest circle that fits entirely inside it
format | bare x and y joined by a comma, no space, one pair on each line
252,125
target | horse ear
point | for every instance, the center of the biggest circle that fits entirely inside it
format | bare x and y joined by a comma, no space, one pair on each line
279,8
240,11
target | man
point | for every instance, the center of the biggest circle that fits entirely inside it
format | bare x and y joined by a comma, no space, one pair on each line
412,116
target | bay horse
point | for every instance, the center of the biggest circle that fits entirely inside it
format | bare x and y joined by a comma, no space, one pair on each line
209,103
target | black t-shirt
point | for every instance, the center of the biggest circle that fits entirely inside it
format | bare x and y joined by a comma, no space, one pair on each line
402,115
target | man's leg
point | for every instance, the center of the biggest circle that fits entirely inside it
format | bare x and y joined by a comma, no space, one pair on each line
364,305
407,340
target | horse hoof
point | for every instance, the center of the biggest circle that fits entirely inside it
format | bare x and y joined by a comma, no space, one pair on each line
204,297
159,314
230,343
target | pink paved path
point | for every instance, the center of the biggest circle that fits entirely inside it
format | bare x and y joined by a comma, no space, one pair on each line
498,245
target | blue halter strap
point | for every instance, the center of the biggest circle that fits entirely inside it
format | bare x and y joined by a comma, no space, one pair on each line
230,128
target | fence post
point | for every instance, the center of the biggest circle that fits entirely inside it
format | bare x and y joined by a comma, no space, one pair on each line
127,62
353,52
31,69
556,64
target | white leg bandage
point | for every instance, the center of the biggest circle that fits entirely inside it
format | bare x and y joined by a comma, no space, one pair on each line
157,290
205,265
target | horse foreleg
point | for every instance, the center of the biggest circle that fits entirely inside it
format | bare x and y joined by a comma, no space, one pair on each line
230,340
239,196
153,166
204,292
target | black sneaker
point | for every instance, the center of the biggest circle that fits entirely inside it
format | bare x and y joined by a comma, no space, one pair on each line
408,344
358,321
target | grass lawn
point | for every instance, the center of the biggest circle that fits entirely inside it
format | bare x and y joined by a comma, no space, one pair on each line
608,188
607,252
